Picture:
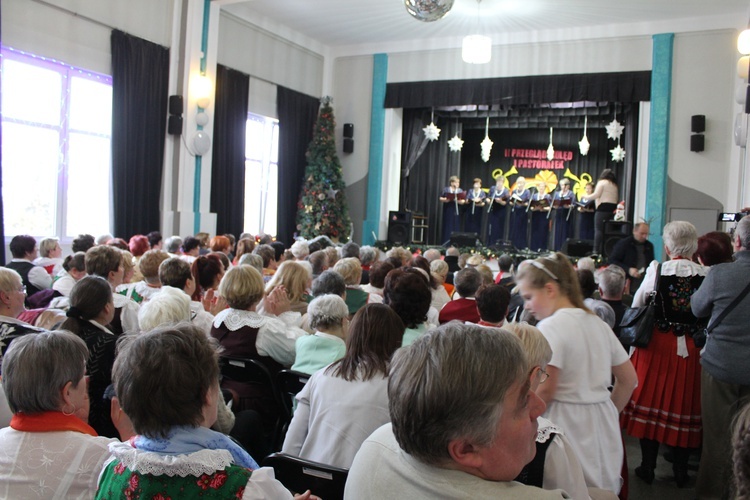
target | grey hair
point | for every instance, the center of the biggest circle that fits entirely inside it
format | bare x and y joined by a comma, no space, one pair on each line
350,269
327,311
367,255
168,307
173,244
432,255
612,281
743,232
603,310
300,249
586,263
9,280
440,267
47,245
252,259
431,406
350,249
467,282
680,238
36,368
328,281
102,239
538,351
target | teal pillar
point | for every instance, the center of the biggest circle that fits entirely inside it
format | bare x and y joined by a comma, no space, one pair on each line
658,147
371,224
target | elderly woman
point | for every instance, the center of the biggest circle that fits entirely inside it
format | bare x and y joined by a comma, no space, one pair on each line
296,280
585,356
666,405
74,268
148,265
341,405
50,256
351,270
48,451
243,332
329,317
555,464
91,308
12,296
175,454
378,271
406,292
244,246
714,248
138,245
439,271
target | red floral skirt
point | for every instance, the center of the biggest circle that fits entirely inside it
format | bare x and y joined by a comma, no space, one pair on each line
666,405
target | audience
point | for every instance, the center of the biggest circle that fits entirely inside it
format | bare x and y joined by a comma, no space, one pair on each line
319,262
49,451
294,278
350,269
464,308
24,250
600,308
329,317
463,421
85,241
439,271
175,272
50,256
612,282
492,303
378,271
106,262
714,248
208,272
300,250
148,265
407,293
12,295
173,246
341,405
74,268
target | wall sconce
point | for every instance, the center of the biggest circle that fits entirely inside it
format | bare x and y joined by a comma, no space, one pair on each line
202,90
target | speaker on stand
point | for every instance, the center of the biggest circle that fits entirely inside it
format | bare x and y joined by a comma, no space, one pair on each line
399,228
614,231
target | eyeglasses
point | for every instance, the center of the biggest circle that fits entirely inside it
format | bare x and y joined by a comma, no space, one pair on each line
542,267
543,375
22,289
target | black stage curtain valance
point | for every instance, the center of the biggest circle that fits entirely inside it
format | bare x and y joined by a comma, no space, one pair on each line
625,87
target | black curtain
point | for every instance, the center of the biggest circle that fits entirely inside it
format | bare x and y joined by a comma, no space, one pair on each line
140,78
228,163
605,87
297,115
414,143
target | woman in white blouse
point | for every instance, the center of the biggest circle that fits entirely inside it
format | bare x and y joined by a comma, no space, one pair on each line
341,405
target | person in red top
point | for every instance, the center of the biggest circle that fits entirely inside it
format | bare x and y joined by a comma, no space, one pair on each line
467,282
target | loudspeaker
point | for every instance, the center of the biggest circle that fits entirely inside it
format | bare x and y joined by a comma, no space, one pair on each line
349,130
174,125
577,248
698,124
464,239
399,228
348,145
697,143
175,105
614,231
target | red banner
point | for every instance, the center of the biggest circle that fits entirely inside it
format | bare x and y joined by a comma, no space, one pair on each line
537,158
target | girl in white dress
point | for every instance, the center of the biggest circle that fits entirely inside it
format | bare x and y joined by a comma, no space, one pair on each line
585,355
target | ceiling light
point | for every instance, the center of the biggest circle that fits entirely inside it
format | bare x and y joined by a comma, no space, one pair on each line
477,49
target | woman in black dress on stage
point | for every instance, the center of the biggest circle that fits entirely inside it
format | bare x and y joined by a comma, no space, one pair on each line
497,209
540,218
586,215
475,200
452,197
563,217
518,215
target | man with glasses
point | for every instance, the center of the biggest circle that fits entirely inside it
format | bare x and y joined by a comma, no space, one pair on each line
633,254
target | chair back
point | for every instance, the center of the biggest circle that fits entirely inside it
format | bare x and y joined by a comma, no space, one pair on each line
299,475
290,384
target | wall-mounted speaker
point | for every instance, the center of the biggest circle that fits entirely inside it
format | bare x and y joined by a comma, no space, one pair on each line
697,143
175,105
348,145
698,124
174,122
349,130
399,228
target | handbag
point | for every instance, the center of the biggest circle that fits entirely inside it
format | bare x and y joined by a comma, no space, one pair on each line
637,324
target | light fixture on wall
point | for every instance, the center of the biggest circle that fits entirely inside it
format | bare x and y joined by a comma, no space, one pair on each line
477,49
201,89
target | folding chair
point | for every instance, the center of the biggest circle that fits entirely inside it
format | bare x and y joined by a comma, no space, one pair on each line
299,475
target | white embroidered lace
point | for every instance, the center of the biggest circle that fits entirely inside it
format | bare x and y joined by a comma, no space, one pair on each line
234,319
543,433
192,464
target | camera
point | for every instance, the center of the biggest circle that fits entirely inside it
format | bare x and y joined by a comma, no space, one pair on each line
730,217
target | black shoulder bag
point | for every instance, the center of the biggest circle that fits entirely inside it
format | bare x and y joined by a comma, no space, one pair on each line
637,324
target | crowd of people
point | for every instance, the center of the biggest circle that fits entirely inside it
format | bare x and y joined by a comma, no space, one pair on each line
428,375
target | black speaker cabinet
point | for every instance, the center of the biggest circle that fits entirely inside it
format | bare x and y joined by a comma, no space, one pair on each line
349,130
399,228
698,123
175,105
464,239
348,145
174,125
577,248
697,143
614,231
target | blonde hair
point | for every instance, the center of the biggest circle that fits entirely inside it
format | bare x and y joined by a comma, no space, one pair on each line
242,287
149,264
349,269
10,280
556,268
294,277
535,345
46,246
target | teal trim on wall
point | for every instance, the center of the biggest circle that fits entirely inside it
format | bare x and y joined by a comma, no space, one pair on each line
658,147
377,139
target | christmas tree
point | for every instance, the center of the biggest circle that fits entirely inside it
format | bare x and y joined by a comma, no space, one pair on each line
322,207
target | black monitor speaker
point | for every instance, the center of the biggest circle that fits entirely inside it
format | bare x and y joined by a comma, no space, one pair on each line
577,248
464,239
399,228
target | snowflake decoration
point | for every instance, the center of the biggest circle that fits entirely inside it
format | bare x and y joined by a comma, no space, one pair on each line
618,154
486,148
332,193
614,130
550,152
584,145
456,143
431,132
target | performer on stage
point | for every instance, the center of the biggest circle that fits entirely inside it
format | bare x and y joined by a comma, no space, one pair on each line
605,194
475,200
540,210
452,197
497,205
563,202
518,215
586,215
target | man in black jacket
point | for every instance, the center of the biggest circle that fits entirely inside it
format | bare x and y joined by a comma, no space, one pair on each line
633,254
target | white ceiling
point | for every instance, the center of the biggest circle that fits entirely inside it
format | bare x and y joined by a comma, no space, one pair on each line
350,23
